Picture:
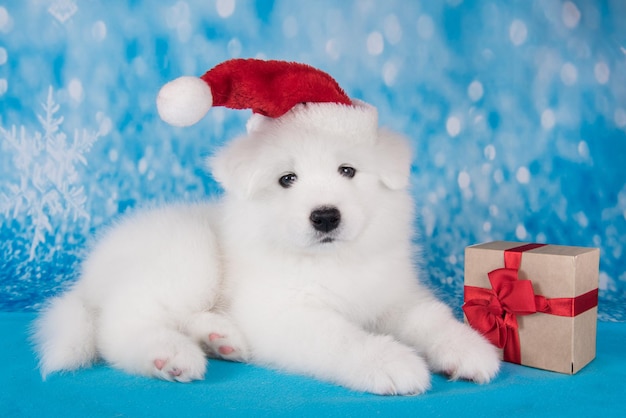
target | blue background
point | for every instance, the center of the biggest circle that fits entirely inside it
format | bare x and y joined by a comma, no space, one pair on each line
516,110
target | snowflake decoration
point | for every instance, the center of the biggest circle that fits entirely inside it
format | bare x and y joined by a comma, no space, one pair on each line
49,191
62,10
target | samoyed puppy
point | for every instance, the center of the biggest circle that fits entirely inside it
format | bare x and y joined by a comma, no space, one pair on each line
306,264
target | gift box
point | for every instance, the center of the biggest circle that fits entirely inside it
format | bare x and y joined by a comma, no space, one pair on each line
536,302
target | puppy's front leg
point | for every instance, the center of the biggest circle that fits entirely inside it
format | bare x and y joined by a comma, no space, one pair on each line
449,346
323,344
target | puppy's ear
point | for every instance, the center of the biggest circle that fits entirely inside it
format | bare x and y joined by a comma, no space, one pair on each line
394,156
234,167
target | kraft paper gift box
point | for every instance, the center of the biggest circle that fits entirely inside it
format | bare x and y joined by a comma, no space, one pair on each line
536,302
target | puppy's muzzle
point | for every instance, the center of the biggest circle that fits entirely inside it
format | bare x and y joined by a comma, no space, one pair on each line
325,218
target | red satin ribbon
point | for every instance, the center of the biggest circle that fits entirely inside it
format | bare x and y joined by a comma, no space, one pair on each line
494,311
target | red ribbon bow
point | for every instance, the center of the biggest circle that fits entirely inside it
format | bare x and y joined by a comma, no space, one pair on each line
493,312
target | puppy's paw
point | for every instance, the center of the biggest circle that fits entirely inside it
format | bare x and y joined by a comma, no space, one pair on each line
182,363
219,337
466,355
395,369
227,345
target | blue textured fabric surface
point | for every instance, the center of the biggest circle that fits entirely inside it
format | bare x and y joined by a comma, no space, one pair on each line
232,389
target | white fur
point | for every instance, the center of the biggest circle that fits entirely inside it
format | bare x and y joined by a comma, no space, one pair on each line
344,306
147,301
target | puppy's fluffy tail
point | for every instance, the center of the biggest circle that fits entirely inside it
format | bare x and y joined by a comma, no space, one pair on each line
64,335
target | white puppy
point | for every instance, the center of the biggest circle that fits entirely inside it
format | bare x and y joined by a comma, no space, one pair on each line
306,265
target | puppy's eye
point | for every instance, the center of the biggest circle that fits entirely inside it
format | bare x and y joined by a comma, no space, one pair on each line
347,171
287,180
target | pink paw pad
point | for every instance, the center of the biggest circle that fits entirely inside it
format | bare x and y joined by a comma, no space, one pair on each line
175,372
223,349
159,364
226,350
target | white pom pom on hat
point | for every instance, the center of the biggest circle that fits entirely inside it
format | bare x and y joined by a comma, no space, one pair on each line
184,101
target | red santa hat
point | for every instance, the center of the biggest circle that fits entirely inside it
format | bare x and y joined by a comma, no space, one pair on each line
269,88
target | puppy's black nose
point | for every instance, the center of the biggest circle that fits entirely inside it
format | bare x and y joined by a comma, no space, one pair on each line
325,219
